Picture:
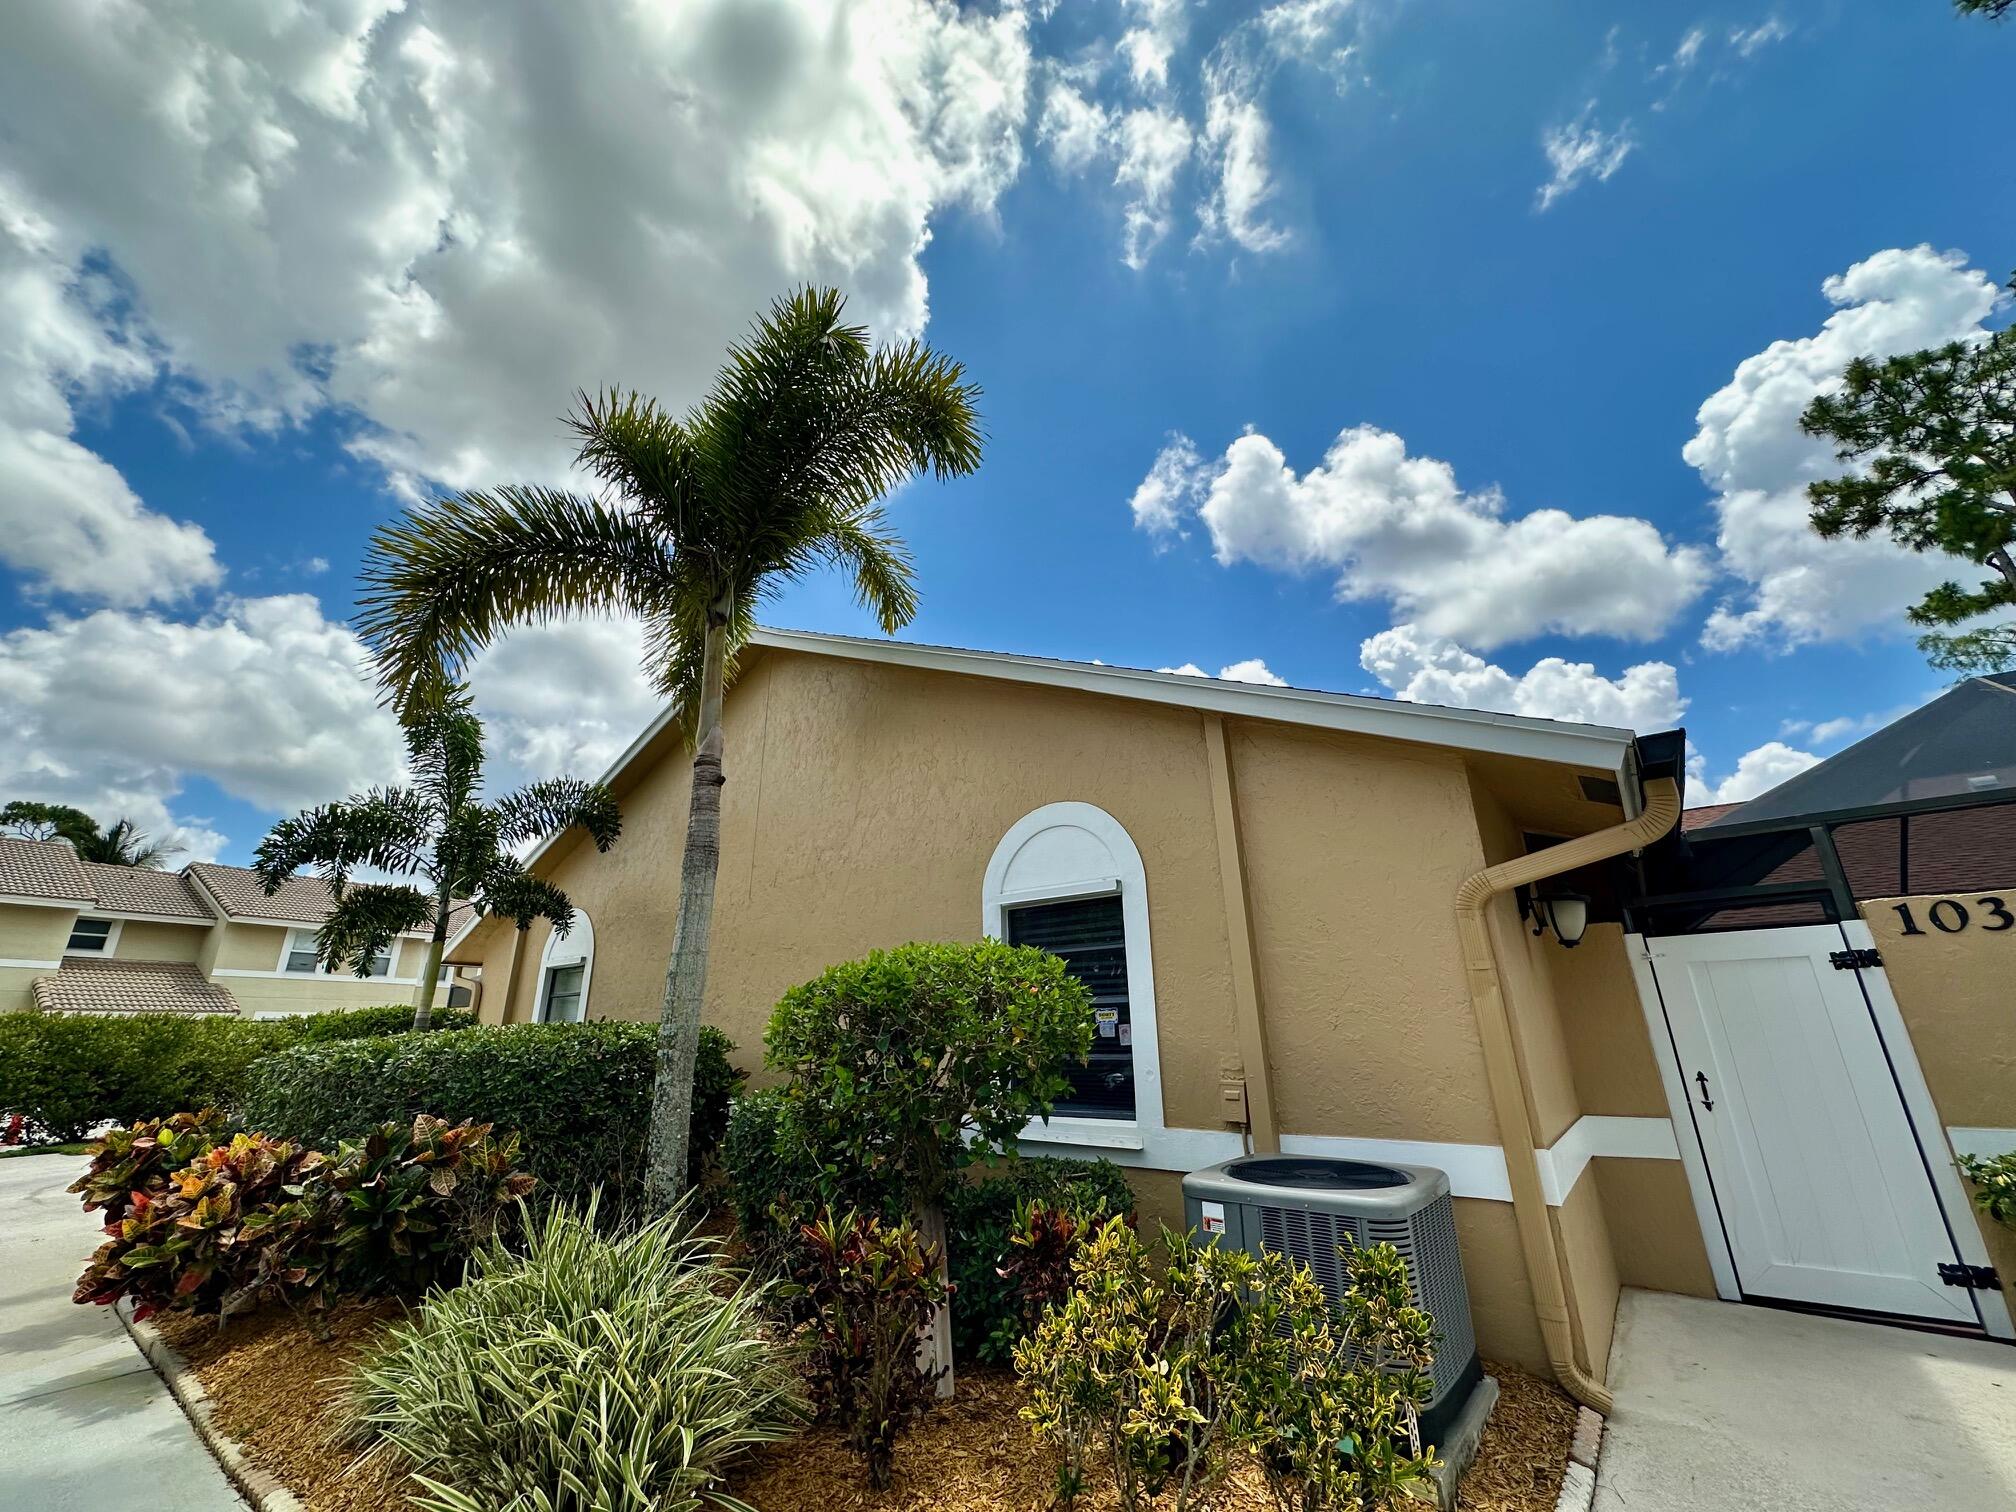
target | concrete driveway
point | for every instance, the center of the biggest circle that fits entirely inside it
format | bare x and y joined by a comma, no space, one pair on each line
89,1426
1725,1408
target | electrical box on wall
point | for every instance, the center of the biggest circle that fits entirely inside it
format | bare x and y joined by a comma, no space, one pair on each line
1232,1093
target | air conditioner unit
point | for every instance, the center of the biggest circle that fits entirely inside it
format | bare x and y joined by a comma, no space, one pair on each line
1307,1206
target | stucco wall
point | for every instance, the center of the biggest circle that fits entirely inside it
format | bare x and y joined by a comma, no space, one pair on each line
34,934
1955,995
143,941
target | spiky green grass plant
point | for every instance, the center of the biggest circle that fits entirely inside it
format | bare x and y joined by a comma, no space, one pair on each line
591,1373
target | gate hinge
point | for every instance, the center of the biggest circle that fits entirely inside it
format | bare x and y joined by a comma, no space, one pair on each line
1855,960
1973,1277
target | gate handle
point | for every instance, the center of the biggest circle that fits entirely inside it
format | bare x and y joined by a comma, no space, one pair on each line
1707,1102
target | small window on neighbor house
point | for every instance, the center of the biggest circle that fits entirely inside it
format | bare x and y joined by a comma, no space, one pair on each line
90,936
1091,935
301,956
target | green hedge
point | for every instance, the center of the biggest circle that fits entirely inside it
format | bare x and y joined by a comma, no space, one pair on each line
578,1094
978,1217
67,1074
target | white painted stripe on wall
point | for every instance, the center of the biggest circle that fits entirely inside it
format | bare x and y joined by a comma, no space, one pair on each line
1475,1170
1594,1134
1984,1143
35,965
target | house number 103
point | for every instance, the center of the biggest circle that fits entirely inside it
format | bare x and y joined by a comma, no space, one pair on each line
1950,916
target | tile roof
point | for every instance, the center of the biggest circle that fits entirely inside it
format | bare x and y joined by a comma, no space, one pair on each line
238,890
85,986
136,889
1707,813
42,869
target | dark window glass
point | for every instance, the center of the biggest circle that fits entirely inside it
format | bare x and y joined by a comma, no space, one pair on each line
1091,937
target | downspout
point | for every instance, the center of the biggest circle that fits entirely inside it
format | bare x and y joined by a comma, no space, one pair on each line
1501,1062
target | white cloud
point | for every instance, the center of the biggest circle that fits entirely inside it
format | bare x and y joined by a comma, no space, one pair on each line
563,700
1581,149
1236,140
1252,670
67,519
1153,146
1174,484
449,215
1757,771
1075,129
1424,668
115,711
1689,50
1398,528
1750,451
1747,41
1150,44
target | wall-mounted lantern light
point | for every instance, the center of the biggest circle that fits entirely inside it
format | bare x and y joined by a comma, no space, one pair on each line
1566,913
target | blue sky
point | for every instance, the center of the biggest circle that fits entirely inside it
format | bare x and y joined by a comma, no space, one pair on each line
1425,350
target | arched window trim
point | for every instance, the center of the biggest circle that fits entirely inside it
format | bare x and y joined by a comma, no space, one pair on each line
1129,878
575,948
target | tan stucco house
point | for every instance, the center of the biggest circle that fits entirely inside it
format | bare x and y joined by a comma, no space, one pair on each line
82,937
1309,920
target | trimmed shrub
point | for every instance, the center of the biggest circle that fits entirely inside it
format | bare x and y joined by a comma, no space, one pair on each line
578,1095
775,1184
981,1219
592,1373
65,1075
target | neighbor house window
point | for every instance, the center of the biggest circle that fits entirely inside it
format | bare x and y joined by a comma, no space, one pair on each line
90,937
1068,879
301,956
565,970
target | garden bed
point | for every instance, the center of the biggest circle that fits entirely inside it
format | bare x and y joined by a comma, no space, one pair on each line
275,1386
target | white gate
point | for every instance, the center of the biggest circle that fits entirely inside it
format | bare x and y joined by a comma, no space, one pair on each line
1822,1186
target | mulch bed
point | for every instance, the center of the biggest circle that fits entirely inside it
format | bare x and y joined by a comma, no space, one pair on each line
273,1383
277,1389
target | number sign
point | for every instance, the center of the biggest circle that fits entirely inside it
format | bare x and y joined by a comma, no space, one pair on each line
1950,916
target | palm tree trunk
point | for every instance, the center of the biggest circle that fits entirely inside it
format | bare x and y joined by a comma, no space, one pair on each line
423,997
686,974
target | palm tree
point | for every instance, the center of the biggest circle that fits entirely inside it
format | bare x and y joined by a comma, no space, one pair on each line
779,470
122,845
438,830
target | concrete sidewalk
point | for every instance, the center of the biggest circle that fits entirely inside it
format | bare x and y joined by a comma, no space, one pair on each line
89,1426
1726,1408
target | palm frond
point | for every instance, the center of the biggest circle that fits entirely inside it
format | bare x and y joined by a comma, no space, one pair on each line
511,892
444,740
644,454
366,920
559,803
451,576
386,828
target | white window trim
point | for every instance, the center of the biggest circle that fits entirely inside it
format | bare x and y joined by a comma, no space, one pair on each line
1145,1134
321,972
111,938
575,948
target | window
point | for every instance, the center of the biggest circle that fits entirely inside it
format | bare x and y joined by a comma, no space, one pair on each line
1091,935
91,937
1068,878
300,957
566,968
563,994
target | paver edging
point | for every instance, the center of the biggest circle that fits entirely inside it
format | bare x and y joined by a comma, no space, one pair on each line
259,1487
1578,1482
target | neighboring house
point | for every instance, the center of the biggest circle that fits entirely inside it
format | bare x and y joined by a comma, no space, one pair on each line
82,937
1281,901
